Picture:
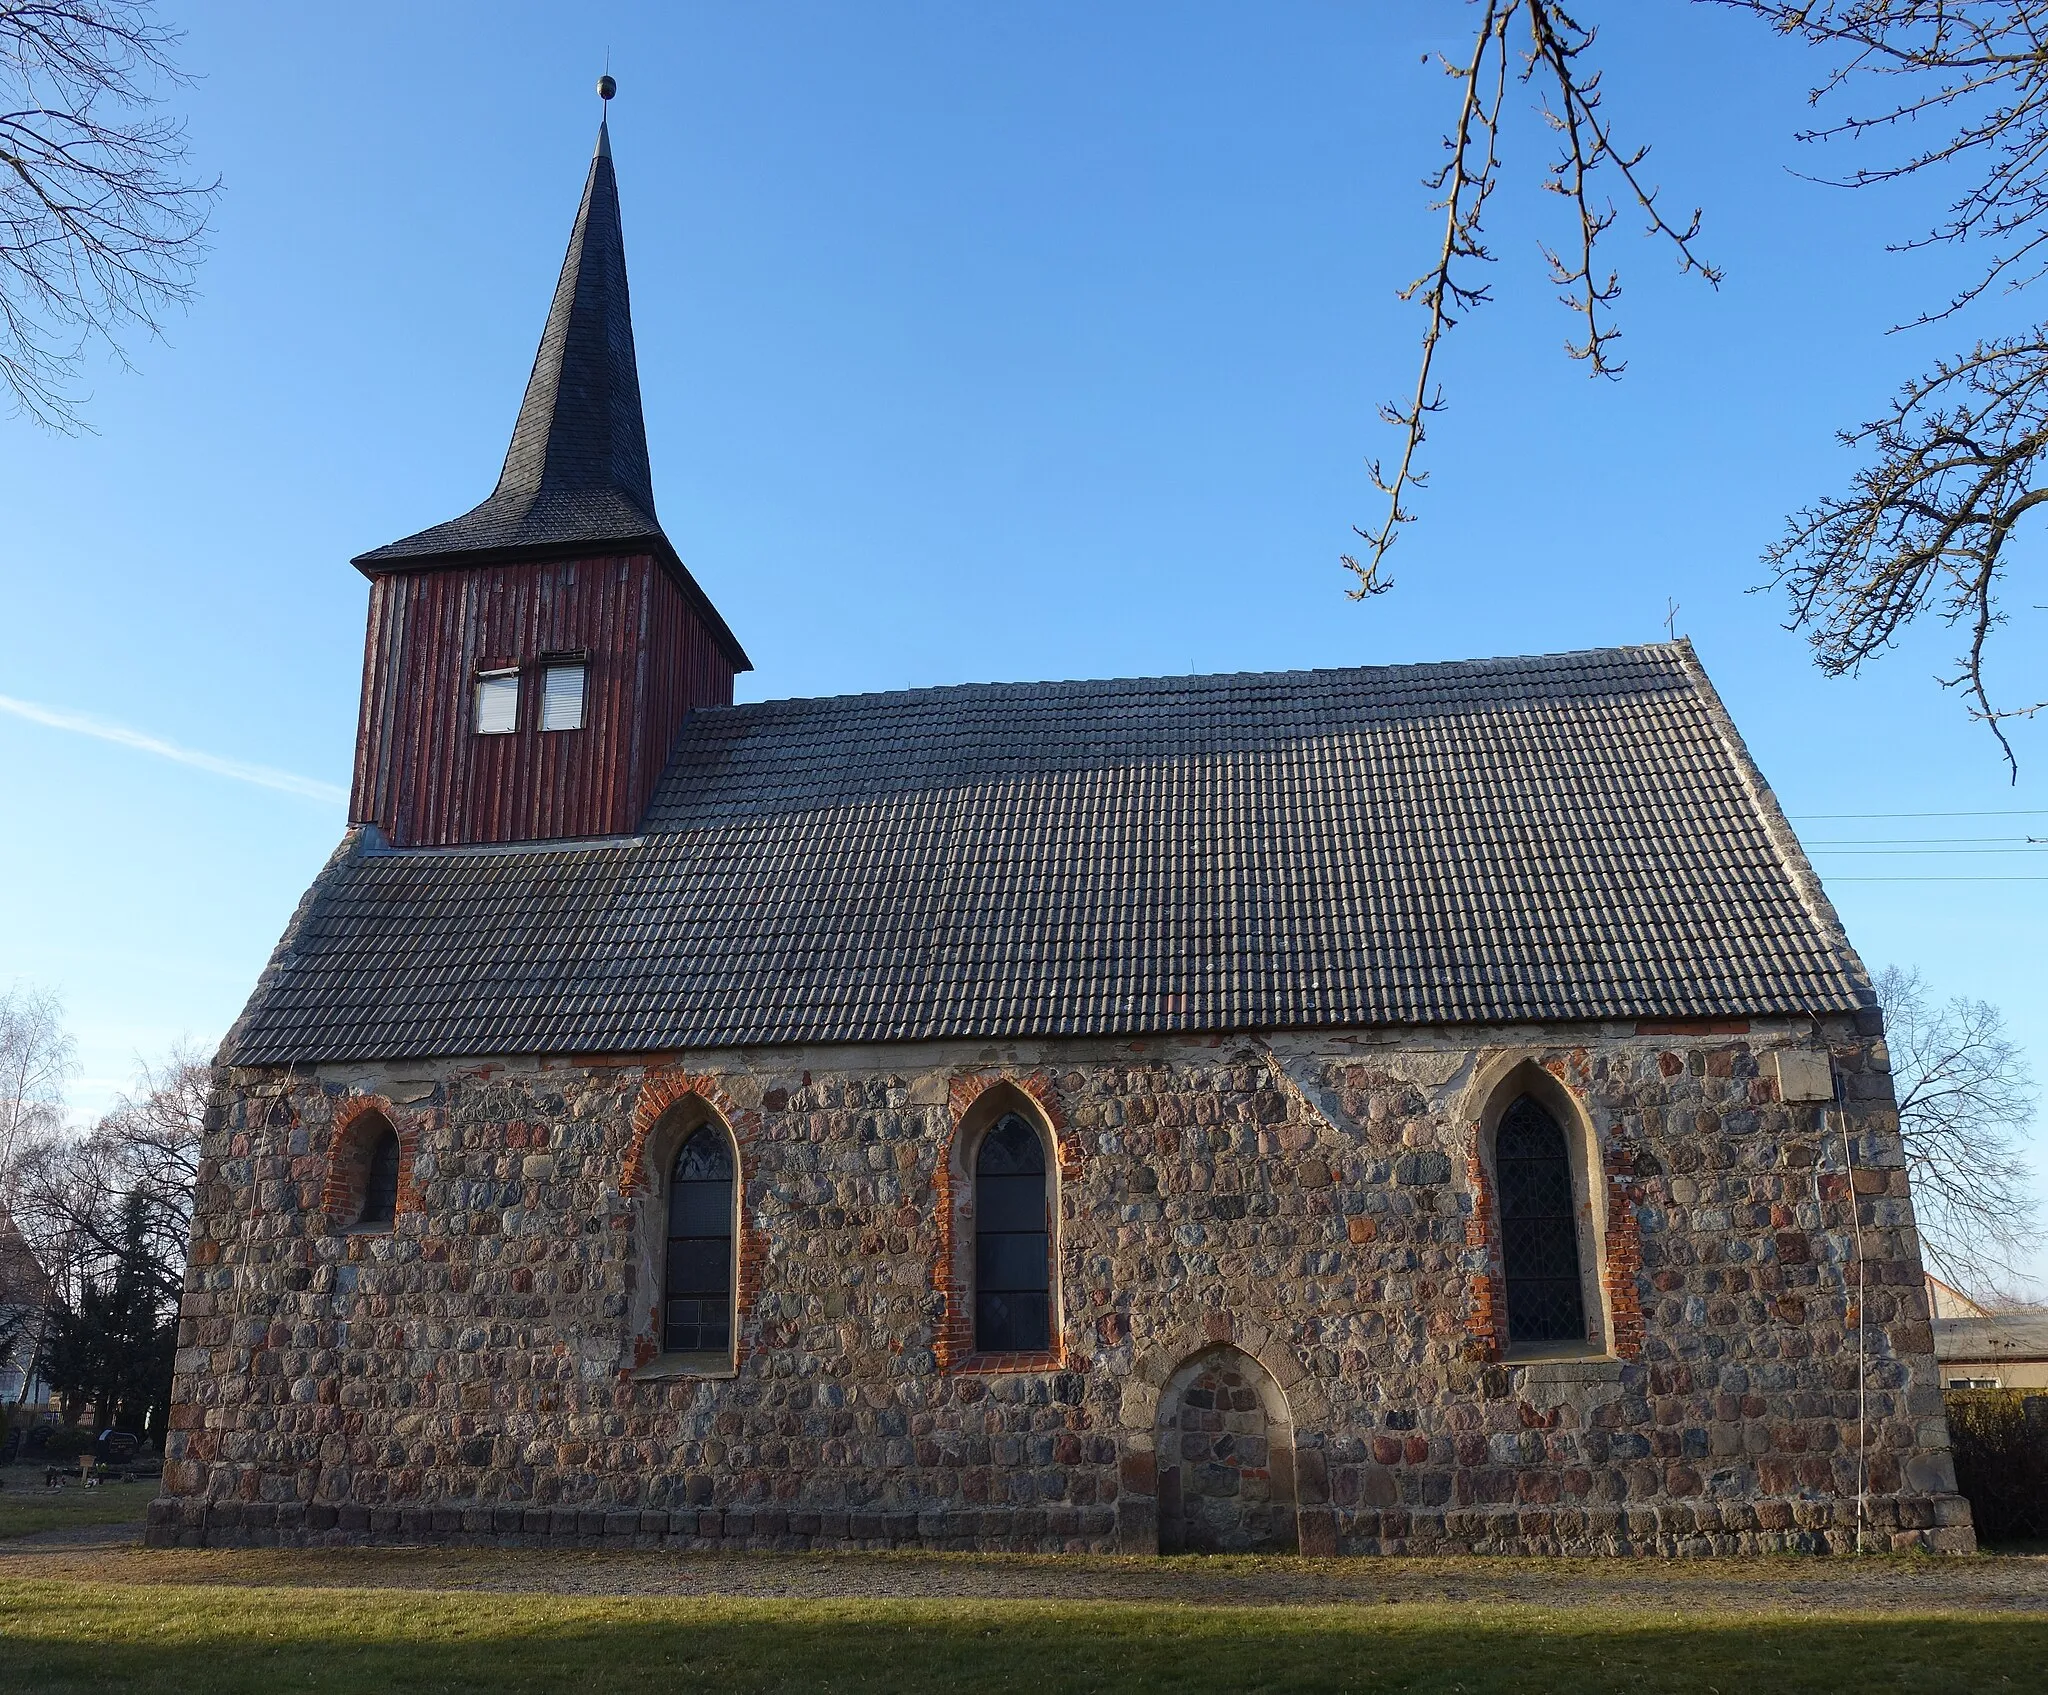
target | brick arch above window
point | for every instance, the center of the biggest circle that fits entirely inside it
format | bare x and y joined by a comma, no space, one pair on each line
671,1107
359,1123
1611,1242
660,1091
964,1090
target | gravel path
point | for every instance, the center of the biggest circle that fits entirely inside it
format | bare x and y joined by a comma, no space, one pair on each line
109,1553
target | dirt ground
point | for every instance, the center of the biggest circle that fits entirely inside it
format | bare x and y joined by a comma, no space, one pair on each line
2000,1583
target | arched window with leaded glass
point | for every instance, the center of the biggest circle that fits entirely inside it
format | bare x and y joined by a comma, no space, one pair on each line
697,1286
1539,1228
1012,1241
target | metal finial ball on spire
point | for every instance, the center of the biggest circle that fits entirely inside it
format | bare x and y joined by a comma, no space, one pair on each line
607,86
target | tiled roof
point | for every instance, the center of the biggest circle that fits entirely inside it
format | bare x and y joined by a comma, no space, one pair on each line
1996,1339
1578,836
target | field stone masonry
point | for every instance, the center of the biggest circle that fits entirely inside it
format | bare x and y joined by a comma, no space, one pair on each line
1260,962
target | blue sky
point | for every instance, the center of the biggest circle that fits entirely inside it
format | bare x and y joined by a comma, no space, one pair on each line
978,342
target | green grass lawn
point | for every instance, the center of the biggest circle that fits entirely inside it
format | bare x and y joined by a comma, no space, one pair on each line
93,1636
26,1506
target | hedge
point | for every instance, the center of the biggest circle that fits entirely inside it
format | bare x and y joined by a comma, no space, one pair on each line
2000,1440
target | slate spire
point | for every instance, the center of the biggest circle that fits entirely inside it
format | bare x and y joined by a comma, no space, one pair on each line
576,474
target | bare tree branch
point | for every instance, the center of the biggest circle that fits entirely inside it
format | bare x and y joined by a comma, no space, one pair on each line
1956,464
1953,468
1555,61
1464,190
1981,66
100,230
1965,1096
1587,145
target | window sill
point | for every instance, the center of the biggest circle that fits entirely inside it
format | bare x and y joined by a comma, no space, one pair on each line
1535,1353
1552,1365
986,1365
665,1367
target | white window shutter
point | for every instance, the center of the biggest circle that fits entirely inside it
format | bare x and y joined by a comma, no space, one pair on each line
561,698
497,703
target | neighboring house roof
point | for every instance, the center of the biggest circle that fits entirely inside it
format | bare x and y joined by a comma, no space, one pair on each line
2003,1339
1576,836
576,476
1944,1300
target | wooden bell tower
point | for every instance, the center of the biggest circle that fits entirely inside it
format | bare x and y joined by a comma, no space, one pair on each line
528,664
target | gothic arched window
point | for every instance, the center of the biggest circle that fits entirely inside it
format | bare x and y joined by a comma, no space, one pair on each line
696,1312
380,1181
1012,1243
1538,1227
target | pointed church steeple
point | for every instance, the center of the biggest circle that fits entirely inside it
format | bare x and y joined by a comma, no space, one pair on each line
577,467
576,473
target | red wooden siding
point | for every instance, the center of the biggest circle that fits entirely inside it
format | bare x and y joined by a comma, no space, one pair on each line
428,779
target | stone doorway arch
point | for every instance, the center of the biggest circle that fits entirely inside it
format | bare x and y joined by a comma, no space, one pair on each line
1225,1450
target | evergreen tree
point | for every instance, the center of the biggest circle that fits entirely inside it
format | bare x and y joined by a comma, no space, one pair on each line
114,1349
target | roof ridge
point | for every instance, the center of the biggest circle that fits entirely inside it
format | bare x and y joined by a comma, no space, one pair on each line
1502,663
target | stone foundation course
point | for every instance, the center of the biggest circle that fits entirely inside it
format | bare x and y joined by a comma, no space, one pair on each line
1303,1226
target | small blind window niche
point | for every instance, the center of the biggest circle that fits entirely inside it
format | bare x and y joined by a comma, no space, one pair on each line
561,697
497,703
380,1184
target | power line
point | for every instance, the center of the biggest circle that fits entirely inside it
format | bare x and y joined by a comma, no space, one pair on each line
2006,812
1910,853
1938,879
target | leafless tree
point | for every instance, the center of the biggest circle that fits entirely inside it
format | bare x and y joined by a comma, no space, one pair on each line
36,1060
71,1190
1965,1096
24,1298
1959,458
1518,43
100,226
85,1204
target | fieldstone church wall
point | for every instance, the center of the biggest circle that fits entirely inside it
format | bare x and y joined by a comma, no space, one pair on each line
1301,1223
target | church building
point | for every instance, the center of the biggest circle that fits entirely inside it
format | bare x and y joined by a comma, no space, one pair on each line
1415,1108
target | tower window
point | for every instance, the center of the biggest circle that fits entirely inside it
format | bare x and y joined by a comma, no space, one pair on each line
561,697
497,703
